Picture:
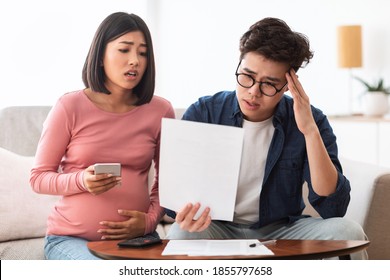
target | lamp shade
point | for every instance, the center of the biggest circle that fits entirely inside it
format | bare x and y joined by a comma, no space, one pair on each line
349,46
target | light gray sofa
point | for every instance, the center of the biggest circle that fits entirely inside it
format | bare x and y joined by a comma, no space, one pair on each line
23,213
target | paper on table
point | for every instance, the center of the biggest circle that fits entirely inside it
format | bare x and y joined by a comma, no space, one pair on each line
199,162
227,247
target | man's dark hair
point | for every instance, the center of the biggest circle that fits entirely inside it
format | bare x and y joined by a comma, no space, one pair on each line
114,26
274,39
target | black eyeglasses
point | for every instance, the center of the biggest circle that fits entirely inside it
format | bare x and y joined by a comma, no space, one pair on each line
247,81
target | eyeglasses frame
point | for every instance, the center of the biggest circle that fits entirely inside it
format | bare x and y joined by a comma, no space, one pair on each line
256,82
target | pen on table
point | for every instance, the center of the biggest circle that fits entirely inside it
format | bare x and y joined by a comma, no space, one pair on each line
263,243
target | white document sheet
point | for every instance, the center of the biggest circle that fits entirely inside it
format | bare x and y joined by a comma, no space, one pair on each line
203,247
200,162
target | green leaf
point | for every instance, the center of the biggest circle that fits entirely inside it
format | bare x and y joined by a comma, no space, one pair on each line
378,86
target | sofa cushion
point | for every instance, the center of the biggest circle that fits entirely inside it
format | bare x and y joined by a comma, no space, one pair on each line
362,178
26,249
21,128
23,213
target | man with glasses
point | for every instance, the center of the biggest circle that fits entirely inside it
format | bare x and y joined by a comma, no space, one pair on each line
286,142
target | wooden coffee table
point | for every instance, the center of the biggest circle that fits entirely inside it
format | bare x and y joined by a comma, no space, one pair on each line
282,249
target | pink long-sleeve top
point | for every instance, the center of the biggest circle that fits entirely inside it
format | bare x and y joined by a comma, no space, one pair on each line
77,134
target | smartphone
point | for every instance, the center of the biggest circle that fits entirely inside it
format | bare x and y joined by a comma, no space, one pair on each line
142,241
110,168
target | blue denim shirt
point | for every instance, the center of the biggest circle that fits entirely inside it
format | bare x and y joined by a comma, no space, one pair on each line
287,166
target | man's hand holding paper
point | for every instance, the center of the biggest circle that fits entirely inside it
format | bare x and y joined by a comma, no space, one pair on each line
187,221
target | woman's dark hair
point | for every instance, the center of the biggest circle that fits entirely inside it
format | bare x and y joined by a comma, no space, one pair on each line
114,26
273,39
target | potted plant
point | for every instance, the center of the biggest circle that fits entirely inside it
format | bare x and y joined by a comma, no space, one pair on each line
375,99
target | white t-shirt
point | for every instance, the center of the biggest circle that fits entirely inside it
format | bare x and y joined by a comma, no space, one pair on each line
257,139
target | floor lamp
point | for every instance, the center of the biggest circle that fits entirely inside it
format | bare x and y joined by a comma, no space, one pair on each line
350,54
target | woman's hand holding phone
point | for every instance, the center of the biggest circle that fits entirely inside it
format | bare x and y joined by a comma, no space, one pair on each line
100,178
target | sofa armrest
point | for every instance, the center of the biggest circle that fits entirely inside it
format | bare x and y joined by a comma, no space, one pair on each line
377,223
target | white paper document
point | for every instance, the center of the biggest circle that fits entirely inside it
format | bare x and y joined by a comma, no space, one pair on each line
200,162
203,247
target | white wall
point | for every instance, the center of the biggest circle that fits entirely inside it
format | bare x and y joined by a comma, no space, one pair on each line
43,45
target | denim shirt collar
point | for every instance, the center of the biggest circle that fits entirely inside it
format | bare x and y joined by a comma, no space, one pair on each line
236,112
281,111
